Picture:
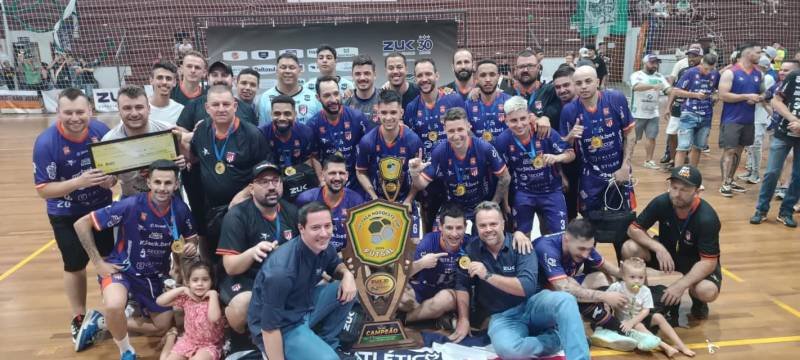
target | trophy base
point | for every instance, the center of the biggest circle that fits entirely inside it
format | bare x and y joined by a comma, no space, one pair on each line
385,334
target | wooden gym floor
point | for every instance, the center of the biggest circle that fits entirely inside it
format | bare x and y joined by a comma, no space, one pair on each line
757,314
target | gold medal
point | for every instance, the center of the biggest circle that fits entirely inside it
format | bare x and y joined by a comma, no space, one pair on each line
433,135
290,170
487,135
538,162
177,245
463,262
460,190
597,142
391,187
219,168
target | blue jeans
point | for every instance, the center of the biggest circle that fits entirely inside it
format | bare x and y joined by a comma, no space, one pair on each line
778,151
510,330
300,342
692,131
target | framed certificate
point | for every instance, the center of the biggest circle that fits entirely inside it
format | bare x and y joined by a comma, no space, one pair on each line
133,153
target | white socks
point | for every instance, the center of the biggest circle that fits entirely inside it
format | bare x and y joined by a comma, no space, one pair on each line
124,345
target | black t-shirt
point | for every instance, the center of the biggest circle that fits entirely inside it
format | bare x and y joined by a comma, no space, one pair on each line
195,111
699,238
452,86
411,94
244,150
600,66
790,91
244,226
548,104
181,98
675,108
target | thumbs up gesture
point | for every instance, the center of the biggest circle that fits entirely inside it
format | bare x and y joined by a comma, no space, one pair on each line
576,132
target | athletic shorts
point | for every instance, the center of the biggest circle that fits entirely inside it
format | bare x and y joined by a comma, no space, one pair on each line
734,135
73,255
715,277
648,127
143,289
550,207
230,286
672,125
692,132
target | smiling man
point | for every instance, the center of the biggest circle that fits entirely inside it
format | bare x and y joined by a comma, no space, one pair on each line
486,113
463,69
288,300
192,69
288,75
365,98
150,226
163,78
247,86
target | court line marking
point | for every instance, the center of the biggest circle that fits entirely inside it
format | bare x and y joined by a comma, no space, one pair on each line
786,307
27,259
721,344
725,271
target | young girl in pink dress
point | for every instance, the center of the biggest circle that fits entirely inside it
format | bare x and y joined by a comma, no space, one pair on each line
203,321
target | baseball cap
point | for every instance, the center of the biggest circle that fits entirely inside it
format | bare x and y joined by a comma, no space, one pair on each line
650,57
688,174
264,166
764,61
218,64
770,52
584,62
694,52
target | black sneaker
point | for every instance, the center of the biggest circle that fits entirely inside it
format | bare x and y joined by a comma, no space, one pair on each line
788,220
758,217
725,190
75,326
699,309
737,188
665,159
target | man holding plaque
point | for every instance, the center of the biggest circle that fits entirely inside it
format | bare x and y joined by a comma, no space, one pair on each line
336,196
250,231
533,163
294,146
287,301
151,226
524,320
62,171
134,111
225,151
466,164
383,154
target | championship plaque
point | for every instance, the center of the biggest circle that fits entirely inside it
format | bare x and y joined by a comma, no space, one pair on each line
133,153
379,255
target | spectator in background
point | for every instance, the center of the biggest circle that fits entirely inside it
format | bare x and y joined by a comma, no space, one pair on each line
47,80
62,71
183,47
8,75
31,73
84,76
569,59
600,64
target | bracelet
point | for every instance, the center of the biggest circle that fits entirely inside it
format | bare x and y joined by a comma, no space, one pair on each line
488,275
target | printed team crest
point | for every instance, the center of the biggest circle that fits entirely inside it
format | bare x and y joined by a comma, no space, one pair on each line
609,122
442,109
66,150
473,161
143,216
473,172
348,135
236,287
688,235
230,156
538,105
475,108
500,107
95,139
287,234
501,116
346,124
402,150
302,109
296,142
606,112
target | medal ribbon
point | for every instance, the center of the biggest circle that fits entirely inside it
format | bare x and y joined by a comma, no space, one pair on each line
219,152
532,151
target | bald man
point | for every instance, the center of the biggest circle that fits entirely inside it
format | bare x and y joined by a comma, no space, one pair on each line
600,126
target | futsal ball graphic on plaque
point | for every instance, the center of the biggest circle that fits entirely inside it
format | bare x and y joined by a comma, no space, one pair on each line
379,256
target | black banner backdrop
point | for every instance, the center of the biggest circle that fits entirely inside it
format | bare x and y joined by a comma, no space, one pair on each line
259,46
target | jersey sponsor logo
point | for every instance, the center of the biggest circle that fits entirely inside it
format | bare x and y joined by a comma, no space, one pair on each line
511,268
234,55
262,54
265,69
287,234
346,52
297,52
313,68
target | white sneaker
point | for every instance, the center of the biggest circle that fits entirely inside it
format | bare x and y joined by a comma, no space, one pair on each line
650,164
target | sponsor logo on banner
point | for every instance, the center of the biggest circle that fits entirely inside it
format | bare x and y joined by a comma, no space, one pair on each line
346,52
265,69
422,45
344,66
234,55
296,52
262,54
237,69
105,100
311,53
313,68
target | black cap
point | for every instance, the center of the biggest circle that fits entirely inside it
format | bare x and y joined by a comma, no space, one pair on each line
688,174
264,166
218,64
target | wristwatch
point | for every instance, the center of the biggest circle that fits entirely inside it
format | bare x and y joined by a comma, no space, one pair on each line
488,275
